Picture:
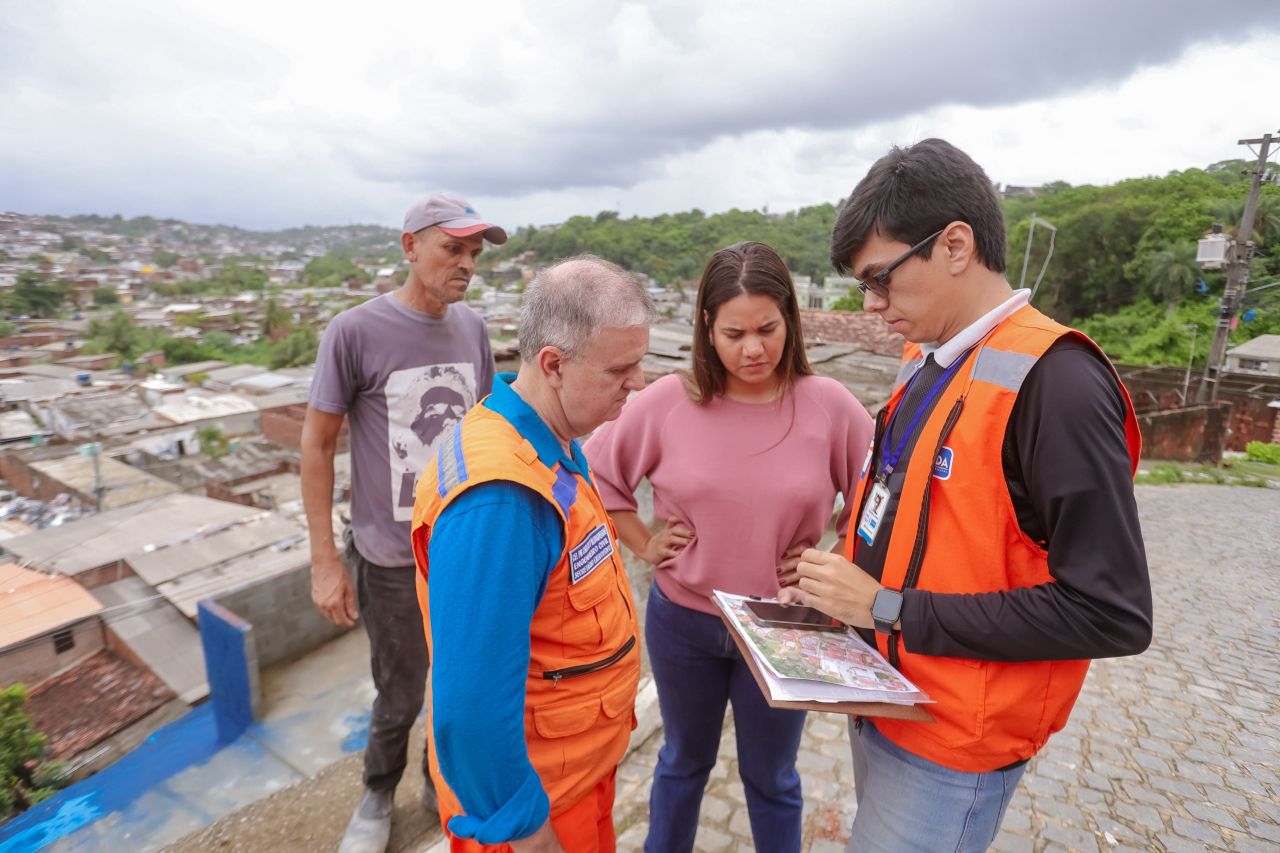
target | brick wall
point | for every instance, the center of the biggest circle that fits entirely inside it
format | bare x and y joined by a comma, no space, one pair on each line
104,574
284,426
28,482
852,327
1193,434
1160,388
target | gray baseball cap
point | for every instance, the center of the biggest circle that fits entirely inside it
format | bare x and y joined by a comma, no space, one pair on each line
453,215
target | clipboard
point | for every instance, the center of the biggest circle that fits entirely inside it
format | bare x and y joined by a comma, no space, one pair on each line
853,709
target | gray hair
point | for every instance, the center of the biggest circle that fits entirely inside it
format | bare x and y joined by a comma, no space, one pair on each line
571,301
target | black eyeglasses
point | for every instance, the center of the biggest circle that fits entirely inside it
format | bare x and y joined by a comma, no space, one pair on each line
878,283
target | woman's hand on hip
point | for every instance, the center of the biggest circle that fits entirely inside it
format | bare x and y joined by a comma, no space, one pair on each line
668,542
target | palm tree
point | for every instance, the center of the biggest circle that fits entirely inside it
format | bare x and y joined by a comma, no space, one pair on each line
276,319
1172,272
1266,220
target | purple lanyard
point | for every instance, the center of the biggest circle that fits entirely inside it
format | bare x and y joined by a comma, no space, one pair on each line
892,459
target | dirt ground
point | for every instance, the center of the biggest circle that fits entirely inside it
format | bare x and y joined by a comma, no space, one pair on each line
312,815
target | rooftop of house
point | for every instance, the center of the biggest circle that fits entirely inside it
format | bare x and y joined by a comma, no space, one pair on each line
181,371
231,373
1263,346
34,603
218,548
121,484
92,701
20,389
189,408
99,410
113,535
263,382
18,425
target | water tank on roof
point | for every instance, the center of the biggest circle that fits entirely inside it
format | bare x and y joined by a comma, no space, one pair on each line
85,379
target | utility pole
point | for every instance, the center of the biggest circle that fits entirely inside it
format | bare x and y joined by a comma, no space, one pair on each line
1237,276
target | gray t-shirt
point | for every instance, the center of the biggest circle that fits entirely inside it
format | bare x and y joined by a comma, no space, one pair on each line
402,378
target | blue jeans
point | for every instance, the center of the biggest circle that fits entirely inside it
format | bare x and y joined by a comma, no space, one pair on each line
907,803
697,669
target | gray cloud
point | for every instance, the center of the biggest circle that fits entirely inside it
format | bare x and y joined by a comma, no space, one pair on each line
261,115
618,122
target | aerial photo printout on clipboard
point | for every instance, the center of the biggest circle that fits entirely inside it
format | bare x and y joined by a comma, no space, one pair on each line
817,666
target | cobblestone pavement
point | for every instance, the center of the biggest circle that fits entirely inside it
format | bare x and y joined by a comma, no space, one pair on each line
1177,749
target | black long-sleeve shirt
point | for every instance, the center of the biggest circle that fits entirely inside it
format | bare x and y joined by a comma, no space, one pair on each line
1066,462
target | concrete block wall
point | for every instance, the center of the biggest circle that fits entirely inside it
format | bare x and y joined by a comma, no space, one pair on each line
36,659
285,622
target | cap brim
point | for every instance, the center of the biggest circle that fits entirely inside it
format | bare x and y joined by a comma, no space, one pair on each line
492,233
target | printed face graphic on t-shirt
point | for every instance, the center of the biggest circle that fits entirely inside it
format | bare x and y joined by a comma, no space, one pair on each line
422,403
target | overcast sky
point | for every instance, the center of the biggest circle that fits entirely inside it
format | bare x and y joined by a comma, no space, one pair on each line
270,115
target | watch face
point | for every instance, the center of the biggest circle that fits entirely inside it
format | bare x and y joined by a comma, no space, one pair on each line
886,606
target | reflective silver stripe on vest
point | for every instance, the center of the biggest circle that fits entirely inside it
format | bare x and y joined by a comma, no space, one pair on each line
451,467
906,370
999,367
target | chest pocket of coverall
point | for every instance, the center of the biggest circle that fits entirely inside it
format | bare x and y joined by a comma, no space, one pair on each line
595,599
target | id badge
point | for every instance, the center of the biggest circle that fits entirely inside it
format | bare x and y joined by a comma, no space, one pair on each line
873,512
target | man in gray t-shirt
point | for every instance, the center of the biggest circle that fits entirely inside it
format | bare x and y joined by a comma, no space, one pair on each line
402,369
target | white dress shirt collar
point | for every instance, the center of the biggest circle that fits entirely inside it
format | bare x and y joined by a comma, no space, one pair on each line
945,354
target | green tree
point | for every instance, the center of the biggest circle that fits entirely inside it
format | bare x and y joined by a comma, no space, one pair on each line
296,350
332,270
1266,219
33,294
165,259
24,780
183,351
1172,272
275,318
212,441
119,334
105,296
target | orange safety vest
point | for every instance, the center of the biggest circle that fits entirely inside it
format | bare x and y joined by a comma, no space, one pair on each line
584,667
965,538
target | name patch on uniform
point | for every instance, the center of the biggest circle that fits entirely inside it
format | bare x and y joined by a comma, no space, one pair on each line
942,464
587,555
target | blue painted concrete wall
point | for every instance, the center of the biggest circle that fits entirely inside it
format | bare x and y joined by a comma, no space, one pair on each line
228,655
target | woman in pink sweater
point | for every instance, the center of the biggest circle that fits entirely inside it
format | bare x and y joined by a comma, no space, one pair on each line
745,458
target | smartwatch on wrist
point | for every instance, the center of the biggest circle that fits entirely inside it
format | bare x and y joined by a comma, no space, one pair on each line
886,607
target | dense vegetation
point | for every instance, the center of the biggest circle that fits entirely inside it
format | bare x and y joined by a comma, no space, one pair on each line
1123,265
673,247
280,343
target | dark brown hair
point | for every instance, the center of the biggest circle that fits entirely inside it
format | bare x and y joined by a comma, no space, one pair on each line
912,192
756,269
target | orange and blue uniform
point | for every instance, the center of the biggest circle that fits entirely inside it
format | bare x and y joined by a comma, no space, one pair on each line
579,675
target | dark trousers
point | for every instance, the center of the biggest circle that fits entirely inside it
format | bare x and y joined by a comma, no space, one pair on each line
698,670
388,604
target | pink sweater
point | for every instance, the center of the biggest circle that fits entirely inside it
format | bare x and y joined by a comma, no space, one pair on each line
750,479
